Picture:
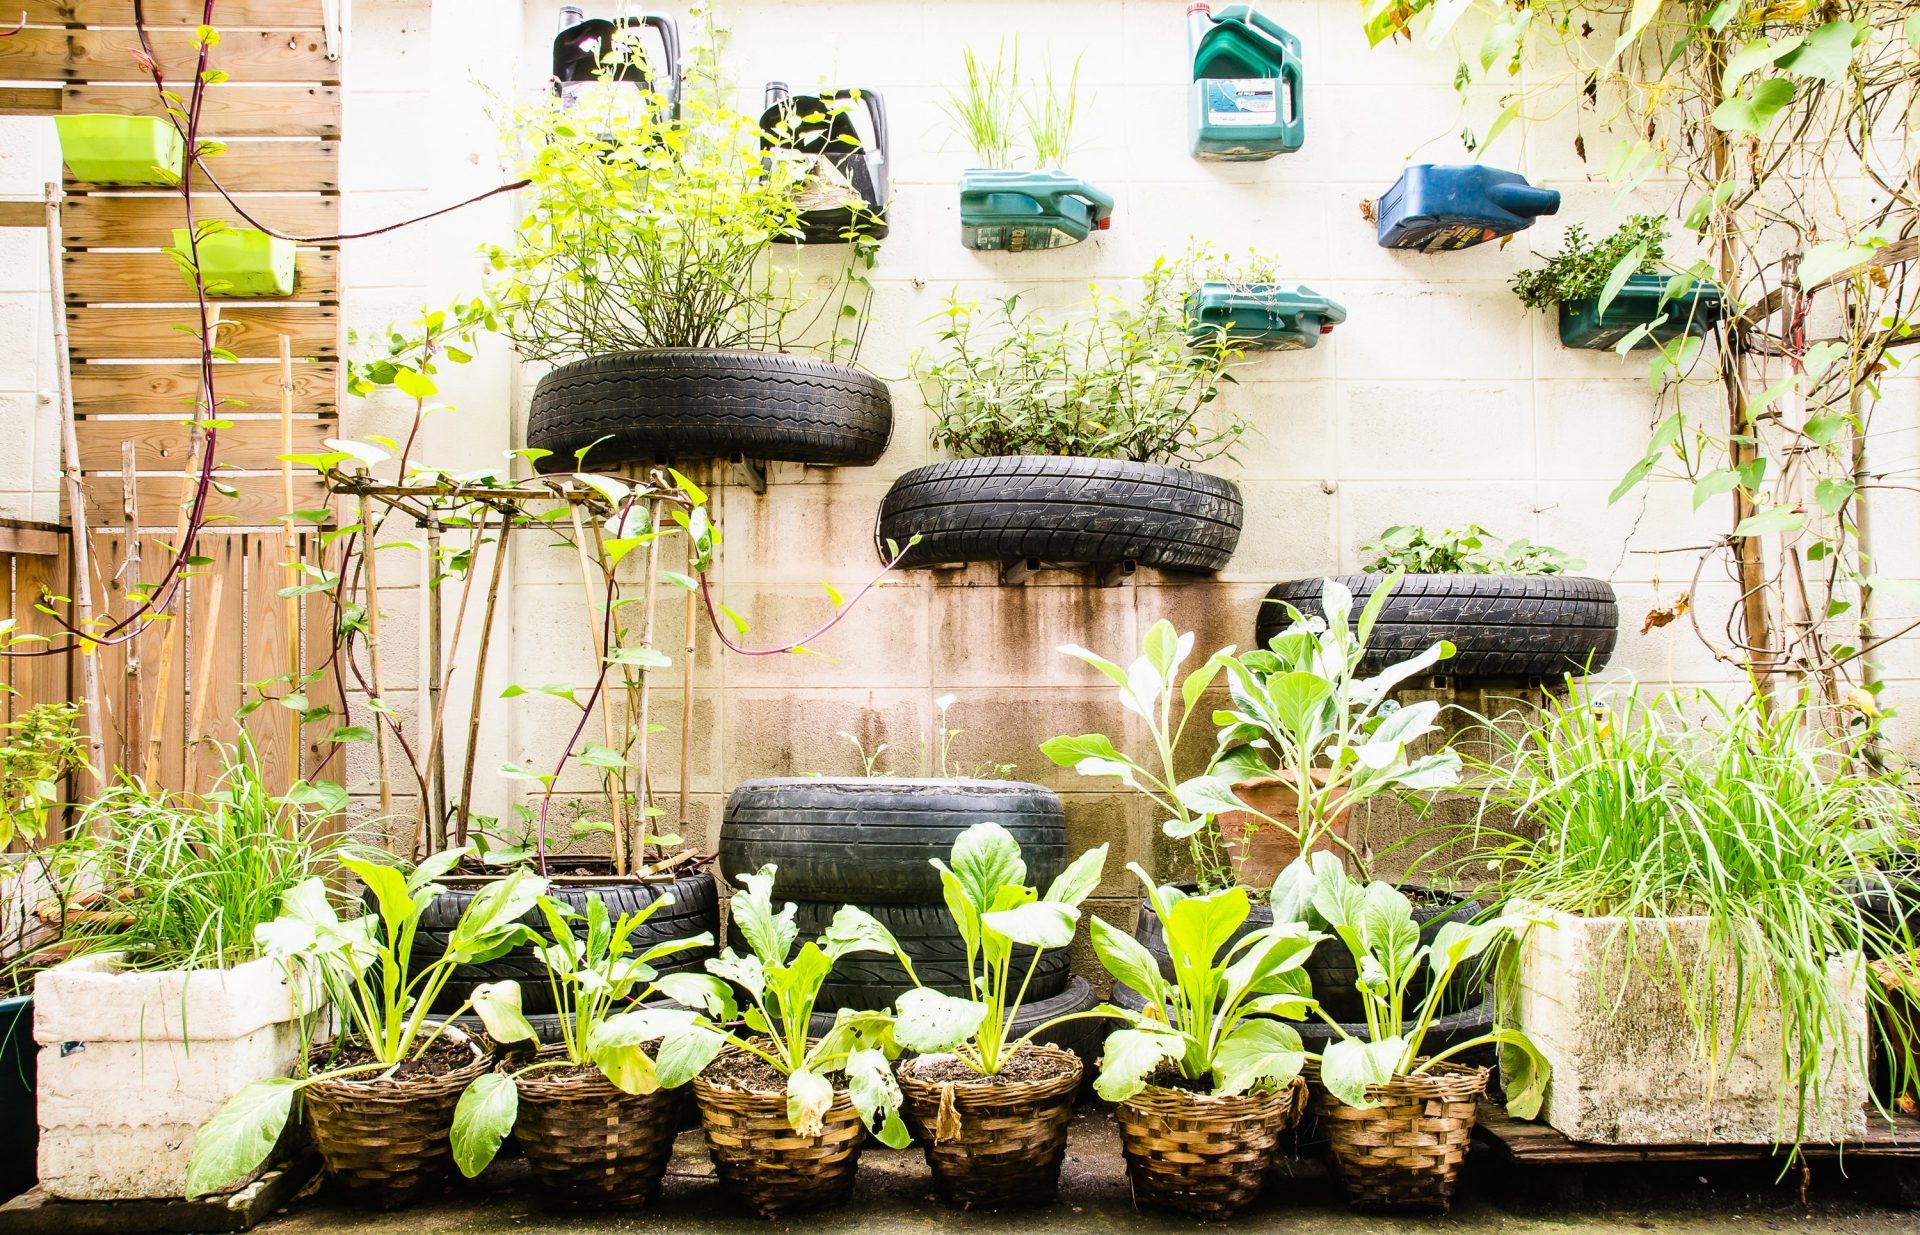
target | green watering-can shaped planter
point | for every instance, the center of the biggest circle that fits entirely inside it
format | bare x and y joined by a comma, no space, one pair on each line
121,150
240,262
1017,211
1695,311
1262,317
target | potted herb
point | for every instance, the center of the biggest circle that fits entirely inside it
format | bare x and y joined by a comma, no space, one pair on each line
1073,439
380,1096
591,1112
1204,1078
1512,613
990,1105
643,263
1399,1120
1721,967
1612,294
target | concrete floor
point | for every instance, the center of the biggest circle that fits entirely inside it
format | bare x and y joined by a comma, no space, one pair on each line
895,1199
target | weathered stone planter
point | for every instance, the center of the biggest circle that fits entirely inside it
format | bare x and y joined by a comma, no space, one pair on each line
1628,1068
131,1064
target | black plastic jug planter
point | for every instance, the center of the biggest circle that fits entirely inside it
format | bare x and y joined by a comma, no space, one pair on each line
1063,510
645,406
1501,626
851,159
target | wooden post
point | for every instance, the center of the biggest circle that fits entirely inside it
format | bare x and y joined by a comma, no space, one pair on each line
133,741
162,680
289,548
370,554
209,624
434,807
82,549
686,693
480,670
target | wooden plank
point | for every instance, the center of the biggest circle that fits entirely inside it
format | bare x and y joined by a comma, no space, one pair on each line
1528,1142
155,278
23,214
324,759
100,220
30,100
257,505
263,167
95,55
27,536
268,650
160,445
228,14
216,656
170,388
143,334
229,110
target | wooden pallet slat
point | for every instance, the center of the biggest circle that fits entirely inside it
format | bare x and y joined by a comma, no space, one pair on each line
168,388
155,278
230,14
262,166
229,110
142,334
163,445
258,503
99,220
97,55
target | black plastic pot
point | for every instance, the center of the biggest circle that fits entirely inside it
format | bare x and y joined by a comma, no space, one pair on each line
19,1117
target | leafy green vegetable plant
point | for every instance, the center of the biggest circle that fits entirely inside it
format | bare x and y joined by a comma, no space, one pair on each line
38,752
590,975
365,966
1375,922
1463,551
1214,1022
1586,267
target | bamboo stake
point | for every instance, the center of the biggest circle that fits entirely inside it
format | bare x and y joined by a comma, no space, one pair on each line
208,623
480,674
156,730
289,543
370,555
617,799
644,757
133,741
433,808
79,546
436,742
686,695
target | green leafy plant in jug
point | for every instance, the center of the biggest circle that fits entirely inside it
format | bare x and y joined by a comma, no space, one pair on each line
1462,551
988,109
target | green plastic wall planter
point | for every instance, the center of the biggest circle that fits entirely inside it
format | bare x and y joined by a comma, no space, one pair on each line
1694,311
242,261
1263,317
121,150
1017,211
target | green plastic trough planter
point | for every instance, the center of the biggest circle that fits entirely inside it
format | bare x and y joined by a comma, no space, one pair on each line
121,150
1694,311
19,1119
1263,317
241,262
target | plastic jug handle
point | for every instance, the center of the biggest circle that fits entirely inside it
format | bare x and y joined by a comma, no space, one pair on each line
876,111
1525,199
670,47
1102,203
1296,128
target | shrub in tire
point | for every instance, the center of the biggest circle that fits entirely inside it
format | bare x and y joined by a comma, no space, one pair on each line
695,909
639,407
867,840
1063,510
1501,626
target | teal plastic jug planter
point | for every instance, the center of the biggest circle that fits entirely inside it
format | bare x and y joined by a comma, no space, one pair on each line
1694,311
241,262
1018,211
121,150
1247,100
1263,317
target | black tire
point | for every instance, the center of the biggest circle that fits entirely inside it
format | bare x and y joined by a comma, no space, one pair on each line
695,909
867,840
708,403
1062,510
1083,1037
927,935
1501,626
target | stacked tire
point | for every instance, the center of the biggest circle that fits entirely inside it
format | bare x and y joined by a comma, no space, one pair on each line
869,842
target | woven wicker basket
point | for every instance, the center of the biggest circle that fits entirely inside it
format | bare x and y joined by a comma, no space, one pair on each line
763,1161
589,1143
1405,1154
1201,1155
385,1141
994,1144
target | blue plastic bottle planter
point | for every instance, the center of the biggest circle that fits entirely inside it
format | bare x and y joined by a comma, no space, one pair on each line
1018,211
1246,101
121,150
1694,311
1263,317
1438,209
241,262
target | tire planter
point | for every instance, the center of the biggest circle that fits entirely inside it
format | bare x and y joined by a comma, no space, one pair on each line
1404,1155
1329,968
927,934
1501,626
1007,1139
866,840
1065,510
763,1161
1201,1155
386,1142
590,1144
641,407
695,908
1083,1037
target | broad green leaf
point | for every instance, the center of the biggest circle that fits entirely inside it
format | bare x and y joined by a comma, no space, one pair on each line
485,1114
1832,494
497,1004
1755,113
1827,51
1524,1072
685,1054
1129,1057
986,858
1752,57
1624,269
698,990
1068,752
855,930
1208,795
1664,437
1197,927
1078,881
389,888
1257,1052
876,1095
236,1141
809,1096
1123,957
1777,519
929,1021
1713,484
1348,1066
1114,672
1040,924
1823,261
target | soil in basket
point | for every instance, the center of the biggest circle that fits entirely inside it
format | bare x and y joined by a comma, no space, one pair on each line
756,1075
1024,1068
1166,1076
440,1058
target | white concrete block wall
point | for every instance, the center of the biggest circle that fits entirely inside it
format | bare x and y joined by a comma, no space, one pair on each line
29,425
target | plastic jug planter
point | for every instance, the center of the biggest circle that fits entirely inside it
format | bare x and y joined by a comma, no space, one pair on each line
121,150
241,262
1263,317
1246,102
1695,311
1017,211
584,55
845,132
1435,209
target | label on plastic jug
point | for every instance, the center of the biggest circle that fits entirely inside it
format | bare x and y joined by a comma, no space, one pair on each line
1449,239
1015,238
1241,100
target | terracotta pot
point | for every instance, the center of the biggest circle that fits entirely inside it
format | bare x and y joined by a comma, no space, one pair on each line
1260,851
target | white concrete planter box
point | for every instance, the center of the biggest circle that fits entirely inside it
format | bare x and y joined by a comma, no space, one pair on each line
131,1064
1628,1068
